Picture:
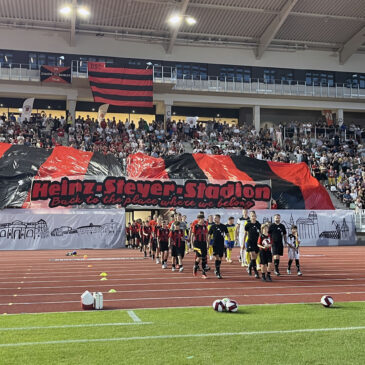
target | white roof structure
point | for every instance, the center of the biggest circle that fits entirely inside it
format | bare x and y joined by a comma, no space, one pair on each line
334,25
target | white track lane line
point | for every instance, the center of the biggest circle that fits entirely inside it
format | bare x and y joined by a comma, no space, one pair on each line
134,316
196,335
193,289
74,326
175,283
180,277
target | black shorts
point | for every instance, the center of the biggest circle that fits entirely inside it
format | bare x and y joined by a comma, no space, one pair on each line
251,247
146,241
164,246
218,250
138,237
154,244
178,251
278,249
200,249
265,257
128,237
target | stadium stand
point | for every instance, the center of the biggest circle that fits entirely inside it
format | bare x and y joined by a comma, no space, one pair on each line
335,160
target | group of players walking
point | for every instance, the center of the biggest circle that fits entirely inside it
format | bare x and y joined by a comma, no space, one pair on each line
260,245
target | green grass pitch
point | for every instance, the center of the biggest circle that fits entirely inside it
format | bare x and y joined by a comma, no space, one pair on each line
267,334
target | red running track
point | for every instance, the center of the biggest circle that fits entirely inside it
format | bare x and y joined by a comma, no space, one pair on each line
49,281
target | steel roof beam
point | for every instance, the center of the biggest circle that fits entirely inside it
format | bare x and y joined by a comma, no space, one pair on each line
271,31
352,45
184,6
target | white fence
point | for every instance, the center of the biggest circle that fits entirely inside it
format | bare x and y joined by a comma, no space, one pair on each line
360,220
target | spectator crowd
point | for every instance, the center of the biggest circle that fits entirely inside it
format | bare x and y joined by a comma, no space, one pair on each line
335,154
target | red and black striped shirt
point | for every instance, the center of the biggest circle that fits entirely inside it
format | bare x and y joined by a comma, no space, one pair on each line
177,238
200,232
163,234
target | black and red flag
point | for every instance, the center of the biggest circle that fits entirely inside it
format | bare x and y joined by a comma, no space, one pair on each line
121,86
293,186
58,74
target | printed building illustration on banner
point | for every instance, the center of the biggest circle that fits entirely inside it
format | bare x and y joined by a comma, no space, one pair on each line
340,232
308,227
23,230
106,228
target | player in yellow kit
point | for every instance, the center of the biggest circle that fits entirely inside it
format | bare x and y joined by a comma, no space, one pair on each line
230,238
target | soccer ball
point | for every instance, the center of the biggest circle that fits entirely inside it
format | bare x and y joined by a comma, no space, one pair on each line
327,301
232,306
218,305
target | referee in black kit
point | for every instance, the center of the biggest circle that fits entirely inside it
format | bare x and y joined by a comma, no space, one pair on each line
252,231
277,232
218,232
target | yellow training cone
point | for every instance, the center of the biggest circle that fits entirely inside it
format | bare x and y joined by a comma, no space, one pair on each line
85,257
103,274
103,279
112,291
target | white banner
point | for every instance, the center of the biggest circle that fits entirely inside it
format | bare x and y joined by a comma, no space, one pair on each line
192,121
103,109
315,228
167,112
27,109
41,229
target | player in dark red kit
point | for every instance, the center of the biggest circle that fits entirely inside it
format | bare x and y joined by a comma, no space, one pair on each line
163,243
146,237
128,231
200,242
177,244
252,232
277,232
264,244
135,234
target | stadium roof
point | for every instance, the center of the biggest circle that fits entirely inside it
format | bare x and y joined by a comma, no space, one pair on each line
334,25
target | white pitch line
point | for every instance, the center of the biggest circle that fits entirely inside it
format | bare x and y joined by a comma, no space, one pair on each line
134,316
196,335
329,292
177,307
73,326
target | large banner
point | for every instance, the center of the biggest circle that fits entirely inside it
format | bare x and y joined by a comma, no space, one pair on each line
30,229
121,191
315,228
59,74
292,185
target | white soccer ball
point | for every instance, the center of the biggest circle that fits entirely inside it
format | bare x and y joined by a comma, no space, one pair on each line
232,306
327,301
218,305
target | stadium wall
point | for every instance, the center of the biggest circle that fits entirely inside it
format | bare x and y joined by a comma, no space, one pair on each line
58,42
